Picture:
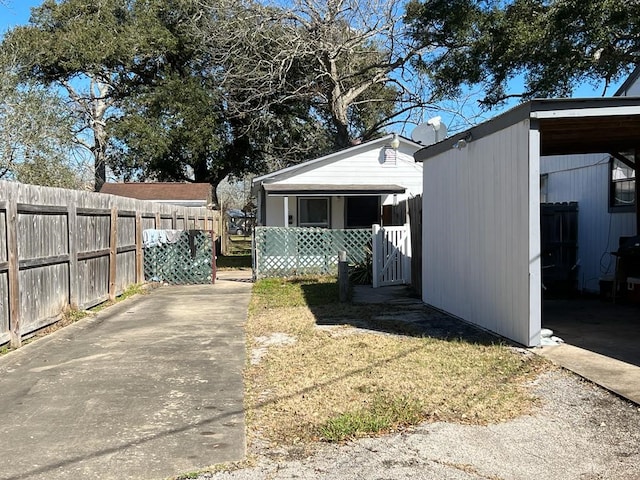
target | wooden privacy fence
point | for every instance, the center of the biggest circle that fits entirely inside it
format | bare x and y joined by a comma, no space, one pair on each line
62,248
290,251
415,224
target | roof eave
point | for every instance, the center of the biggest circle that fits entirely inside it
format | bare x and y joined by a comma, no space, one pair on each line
273,175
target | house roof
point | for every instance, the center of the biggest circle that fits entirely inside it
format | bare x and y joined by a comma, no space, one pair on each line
566,126
160,191
335,156
345,190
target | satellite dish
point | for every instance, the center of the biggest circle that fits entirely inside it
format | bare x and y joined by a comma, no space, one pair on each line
429,132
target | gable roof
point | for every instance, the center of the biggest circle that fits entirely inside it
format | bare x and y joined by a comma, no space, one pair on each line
160,191
309,164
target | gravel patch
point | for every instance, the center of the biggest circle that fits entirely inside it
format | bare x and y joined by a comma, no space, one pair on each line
579,431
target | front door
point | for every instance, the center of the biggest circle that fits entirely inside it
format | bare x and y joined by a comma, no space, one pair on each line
362,212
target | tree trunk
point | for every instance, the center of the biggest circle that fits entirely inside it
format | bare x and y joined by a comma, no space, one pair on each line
99,151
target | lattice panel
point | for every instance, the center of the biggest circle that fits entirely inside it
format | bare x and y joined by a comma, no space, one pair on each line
283,252
187,262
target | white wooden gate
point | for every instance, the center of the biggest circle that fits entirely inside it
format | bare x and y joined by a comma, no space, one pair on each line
391,255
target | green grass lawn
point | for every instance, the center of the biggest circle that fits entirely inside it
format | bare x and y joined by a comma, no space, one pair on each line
331,381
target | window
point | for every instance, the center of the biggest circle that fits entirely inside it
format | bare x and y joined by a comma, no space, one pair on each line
622,187
544,187
362,212
313,212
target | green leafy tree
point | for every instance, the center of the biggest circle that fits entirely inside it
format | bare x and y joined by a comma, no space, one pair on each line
554,45
94,50
36,140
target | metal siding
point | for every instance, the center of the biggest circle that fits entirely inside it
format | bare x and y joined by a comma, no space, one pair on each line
585,179
476,232
534,326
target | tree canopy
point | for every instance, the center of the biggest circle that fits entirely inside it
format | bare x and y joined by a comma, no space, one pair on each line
196,90
36,145
200,89
554,45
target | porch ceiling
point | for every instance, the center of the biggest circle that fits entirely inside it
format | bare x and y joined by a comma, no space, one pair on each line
564,136
283,189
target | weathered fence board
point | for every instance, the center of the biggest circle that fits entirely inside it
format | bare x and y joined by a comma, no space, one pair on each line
415,222
65,247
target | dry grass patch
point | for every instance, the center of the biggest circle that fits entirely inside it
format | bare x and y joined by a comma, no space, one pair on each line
343,382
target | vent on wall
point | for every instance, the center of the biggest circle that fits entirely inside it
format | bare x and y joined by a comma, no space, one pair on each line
390,156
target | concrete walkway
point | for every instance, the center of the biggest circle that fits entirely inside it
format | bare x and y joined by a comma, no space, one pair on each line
619,377
149,388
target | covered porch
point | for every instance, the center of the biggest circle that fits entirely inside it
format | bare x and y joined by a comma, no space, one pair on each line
331,206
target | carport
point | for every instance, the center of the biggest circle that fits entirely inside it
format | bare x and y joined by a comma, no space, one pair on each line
481,206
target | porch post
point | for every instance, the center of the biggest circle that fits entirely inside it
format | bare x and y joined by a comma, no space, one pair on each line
285,209
637,184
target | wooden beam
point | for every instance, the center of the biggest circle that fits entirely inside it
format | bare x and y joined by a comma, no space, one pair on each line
93,212
94,254
42,209
43,261
637,183
14,274
113,253
624,160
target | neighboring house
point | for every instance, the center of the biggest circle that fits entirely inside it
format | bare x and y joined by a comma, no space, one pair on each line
184,194
352,188
482,257
604,187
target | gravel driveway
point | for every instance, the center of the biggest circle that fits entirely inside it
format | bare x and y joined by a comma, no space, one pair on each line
580,431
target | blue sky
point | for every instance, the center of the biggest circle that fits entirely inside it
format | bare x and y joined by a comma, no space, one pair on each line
15,12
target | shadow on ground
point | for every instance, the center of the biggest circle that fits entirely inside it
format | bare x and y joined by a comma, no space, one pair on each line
602,327
396,310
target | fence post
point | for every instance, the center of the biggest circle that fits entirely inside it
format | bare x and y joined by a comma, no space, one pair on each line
113,252
72,239
343,276
13,273
406,257
375,247
139,252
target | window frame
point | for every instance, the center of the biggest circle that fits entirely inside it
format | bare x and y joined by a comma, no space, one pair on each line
620,208
314,224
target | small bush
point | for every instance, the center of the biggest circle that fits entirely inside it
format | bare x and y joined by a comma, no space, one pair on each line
361,273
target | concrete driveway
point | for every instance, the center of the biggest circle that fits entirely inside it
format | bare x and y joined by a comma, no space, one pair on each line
601,342
149,388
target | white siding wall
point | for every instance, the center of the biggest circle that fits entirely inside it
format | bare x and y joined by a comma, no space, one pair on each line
585,179
477,256
366,168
